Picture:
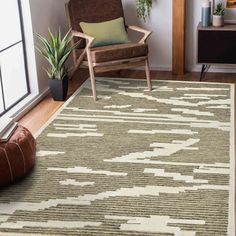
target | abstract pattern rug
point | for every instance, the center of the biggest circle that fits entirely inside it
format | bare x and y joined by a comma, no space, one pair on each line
133,163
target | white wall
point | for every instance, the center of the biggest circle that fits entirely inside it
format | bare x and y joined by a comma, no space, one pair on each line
160,22
160,43
193,16
51,13
46,13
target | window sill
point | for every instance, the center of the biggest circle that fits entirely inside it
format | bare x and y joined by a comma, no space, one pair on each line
25,106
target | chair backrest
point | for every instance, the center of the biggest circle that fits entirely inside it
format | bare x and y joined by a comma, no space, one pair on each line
93,11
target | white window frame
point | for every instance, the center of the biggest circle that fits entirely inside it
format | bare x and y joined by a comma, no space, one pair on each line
27,103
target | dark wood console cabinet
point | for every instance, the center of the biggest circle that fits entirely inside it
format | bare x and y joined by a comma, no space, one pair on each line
216,45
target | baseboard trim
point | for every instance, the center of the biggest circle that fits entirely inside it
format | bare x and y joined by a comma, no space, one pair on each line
156,68
194,68
213,69
161,68
30,104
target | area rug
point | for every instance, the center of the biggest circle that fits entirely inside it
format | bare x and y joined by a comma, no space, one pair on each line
133,163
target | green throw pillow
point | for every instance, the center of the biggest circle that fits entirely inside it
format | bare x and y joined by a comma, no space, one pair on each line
106,33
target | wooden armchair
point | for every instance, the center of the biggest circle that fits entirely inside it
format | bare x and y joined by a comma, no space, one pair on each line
105,58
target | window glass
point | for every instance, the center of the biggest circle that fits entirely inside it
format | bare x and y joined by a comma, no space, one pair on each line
13,74
9,23
13,79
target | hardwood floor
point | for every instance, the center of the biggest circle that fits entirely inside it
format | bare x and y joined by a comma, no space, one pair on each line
39,115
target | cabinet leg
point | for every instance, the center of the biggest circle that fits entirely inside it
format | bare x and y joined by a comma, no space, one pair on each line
204,70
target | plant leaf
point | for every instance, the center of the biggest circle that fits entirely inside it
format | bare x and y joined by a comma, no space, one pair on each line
56,51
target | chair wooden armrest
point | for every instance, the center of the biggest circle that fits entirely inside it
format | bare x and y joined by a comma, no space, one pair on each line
88,38
89,42
146,33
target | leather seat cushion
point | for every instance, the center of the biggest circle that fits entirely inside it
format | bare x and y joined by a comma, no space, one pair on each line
17,156
118,52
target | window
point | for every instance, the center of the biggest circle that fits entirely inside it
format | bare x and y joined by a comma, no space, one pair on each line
14,85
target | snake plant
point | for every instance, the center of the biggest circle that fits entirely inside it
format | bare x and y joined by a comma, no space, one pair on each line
56,50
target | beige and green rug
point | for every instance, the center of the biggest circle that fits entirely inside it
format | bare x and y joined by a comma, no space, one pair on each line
133,163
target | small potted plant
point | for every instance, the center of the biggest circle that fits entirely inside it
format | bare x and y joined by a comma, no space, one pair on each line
218,15
56,51
143,9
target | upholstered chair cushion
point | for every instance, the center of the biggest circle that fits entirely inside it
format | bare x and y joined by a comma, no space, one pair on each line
118,52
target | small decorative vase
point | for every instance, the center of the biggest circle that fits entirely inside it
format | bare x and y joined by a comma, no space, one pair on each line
59,89
206,13
218,21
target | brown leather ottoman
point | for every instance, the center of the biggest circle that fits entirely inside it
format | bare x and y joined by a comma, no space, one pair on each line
17,156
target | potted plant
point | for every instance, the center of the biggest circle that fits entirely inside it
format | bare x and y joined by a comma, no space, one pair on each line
56,51
143,8
218,15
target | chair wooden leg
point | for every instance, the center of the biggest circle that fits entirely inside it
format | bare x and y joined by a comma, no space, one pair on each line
148,76
93,82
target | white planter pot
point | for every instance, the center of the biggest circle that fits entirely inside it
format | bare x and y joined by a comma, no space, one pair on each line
218,21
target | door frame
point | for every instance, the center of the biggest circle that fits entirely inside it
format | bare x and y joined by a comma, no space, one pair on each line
178,34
